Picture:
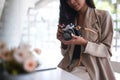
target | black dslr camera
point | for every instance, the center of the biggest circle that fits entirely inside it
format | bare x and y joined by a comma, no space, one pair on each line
68,30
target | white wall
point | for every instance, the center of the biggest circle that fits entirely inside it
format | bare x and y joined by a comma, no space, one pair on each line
1,6
12,21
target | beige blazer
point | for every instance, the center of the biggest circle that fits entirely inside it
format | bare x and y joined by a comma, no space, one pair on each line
96,55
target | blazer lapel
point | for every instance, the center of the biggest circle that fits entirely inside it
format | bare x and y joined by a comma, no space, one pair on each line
90,18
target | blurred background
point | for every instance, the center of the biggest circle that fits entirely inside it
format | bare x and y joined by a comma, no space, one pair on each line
35,22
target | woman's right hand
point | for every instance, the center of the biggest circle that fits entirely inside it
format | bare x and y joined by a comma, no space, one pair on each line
59,32
59,36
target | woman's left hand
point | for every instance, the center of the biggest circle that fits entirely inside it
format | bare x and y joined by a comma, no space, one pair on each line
77,40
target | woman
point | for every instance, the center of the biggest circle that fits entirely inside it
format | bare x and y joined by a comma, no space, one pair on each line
87,55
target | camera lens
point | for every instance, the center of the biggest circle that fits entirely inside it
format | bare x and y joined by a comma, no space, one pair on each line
67,35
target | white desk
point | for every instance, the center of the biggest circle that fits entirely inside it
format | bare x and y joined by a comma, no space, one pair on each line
54,74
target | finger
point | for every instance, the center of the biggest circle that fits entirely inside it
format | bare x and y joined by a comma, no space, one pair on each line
60,30
60,26
74,36
59,37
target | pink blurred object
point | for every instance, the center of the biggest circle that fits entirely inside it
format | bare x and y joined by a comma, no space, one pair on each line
37,50
23,57
20,55
29,65
7,56
5,52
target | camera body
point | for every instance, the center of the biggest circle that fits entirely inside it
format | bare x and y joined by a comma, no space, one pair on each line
68,30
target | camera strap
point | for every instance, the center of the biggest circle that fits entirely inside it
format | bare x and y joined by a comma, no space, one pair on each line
76,52
77,48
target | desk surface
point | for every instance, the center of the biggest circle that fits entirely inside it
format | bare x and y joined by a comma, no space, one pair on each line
54,74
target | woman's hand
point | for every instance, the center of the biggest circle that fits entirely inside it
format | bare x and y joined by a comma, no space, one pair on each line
59,32
59,36
77,40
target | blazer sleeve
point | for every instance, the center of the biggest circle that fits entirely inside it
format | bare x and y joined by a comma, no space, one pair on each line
102,49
